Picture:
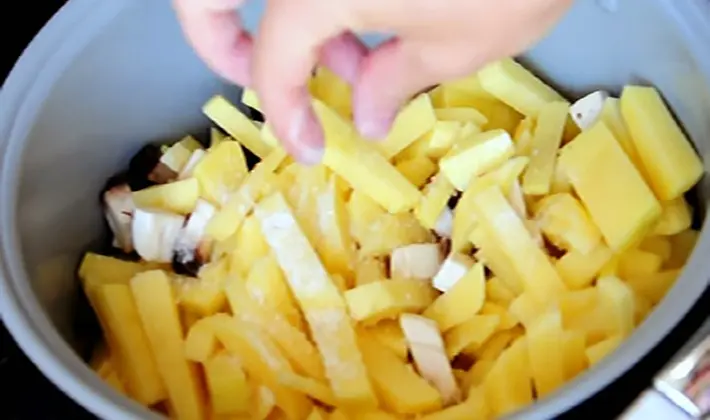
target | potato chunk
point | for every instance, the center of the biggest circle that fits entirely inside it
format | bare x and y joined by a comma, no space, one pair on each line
417,170
176,197
412,122
566,224
429,355
508,232
676,216
476,155
387,299
547,353
436,197
508,384
320,301
669,161
237,125
228,219
129,342
262,361
294,343
229,391
468,336
617,299
578,270
621,226
362,166
158,312
460,302
516,86
545,143
399,388
221,171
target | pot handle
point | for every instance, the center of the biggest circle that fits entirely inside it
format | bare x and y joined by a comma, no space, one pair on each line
682,389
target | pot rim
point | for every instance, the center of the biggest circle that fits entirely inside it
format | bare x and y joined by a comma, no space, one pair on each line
32,80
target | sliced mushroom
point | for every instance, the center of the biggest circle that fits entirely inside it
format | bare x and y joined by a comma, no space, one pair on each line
155,234
118,210
142,165
444,226
189,246
429,354
416,262
454,267
162,174
586,111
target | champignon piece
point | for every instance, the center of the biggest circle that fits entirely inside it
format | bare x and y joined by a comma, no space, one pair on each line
155,234
142,165
188,247
118,210
162,174
453,200
444,226
586,111
454,267
416,261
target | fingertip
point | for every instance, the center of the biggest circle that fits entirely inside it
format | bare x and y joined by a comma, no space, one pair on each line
372,125
375,101
305,136
343,55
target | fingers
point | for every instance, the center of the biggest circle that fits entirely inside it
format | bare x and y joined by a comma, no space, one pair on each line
389,76
343,55
214,30
287,49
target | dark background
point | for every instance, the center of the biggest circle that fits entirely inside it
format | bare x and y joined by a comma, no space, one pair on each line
26,394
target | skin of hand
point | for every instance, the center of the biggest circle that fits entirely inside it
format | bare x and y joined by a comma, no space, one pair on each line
436,40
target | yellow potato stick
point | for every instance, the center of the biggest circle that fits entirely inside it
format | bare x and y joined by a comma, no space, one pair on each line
320,300
237,125
159,314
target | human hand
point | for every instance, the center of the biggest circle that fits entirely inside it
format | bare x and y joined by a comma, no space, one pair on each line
436,41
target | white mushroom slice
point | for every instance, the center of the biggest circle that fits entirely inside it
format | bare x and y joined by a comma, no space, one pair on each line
118,210
155,234
191,235
429,354
444,225
189,167
586,111
454,267
416,262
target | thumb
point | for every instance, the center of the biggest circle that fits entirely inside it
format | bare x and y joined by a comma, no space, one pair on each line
396,71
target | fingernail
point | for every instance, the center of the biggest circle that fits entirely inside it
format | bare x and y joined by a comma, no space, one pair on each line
370,121
373,128
310,156
306,137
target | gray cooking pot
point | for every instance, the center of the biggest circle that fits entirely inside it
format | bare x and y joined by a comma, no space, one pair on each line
103,78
